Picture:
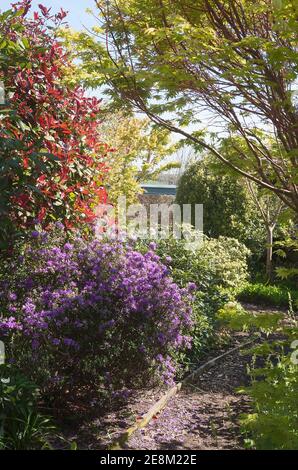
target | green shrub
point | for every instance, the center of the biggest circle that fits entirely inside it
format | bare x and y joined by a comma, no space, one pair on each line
273,422
226,260
218,264
287,250
218,268
22,427
274,391
229,209
271,295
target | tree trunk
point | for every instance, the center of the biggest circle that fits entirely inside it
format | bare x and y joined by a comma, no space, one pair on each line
269,252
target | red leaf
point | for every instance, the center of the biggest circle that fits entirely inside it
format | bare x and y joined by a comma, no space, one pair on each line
41,214
45,11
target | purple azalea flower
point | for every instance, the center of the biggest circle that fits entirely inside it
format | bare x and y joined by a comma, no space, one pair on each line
35,234
192,286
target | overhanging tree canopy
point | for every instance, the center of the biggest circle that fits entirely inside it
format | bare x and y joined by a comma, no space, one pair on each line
191,65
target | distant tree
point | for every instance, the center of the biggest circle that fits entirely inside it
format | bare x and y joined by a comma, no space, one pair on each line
270,209
228,208
185,156
140,153
268,206
235,207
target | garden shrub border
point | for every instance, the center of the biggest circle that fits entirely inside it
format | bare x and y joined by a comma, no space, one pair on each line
268,295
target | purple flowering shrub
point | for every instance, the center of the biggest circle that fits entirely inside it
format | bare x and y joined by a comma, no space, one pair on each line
92,312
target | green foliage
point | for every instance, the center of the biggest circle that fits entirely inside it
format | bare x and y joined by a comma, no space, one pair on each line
288,249
235,317
217,264
139,154
22,427
271,295
273,423
274,391
226,259
228,208
218,268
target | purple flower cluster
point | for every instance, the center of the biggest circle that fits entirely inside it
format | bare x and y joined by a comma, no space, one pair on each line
94,311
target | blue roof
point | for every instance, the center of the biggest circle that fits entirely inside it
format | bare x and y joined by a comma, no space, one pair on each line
159,188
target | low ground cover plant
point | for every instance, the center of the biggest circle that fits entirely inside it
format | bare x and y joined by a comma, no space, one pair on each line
266,294
22,426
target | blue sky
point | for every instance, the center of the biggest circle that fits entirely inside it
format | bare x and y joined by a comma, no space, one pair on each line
77,15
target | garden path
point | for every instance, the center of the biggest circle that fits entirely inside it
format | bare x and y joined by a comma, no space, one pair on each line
203,415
